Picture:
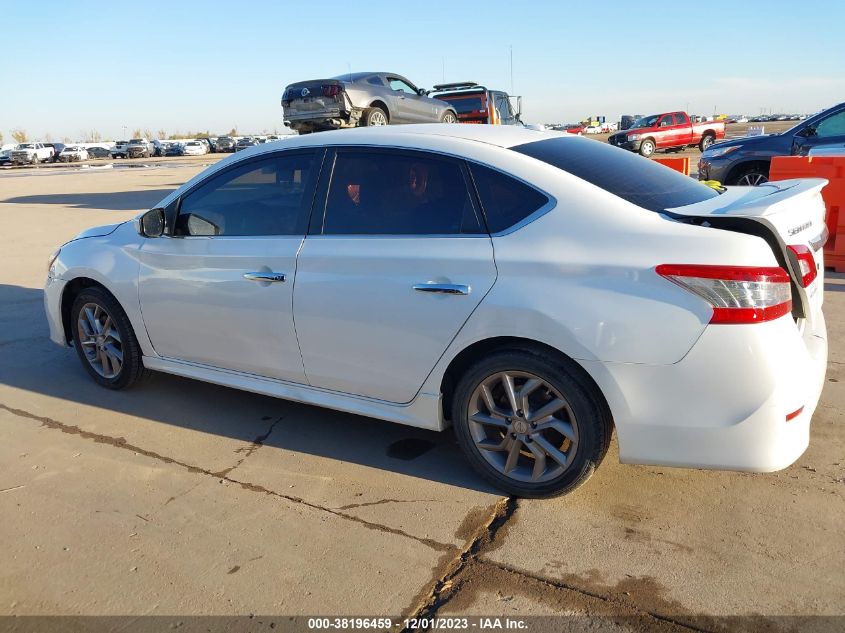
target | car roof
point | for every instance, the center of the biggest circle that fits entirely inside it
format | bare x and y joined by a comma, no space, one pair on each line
504,136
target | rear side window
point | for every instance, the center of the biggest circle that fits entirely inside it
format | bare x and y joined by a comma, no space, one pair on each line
269,196
681,119
506,201
398,193
638,180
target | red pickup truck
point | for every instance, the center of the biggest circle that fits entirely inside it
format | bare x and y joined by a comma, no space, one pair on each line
670,130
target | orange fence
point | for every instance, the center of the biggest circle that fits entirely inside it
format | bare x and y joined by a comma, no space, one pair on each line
678,164
833,169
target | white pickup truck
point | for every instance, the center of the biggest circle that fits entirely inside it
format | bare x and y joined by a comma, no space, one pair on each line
31,154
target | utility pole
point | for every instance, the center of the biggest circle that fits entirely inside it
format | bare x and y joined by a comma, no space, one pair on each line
124,131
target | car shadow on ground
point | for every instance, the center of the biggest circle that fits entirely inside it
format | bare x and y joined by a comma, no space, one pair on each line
113,201
30,361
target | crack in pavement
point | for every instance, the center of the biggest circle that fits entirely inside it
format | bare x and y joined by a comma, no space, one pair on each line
592,594
443,587
120,442
449,582
382,501
253,446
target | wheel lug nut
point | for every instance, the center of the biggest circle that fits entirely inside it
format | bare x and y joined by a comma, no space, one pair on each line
520,413
508,420
513,436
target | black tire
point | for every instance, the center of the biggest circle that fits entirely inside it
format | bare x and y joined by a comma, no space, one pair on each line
374,117
449,117
647,148
591,417
706,141
750,176
35,160
132,368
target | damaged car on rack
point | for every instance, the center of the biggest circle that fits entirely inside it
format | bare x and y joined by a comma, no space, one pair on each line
360,100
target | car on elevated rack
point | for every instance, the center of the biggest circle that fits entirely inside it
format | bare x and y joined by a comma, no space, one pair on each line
535,290
360,99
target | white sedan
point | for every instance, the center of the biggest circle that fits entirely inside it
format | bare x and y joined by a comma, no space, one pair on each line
533,290
73,153
195,148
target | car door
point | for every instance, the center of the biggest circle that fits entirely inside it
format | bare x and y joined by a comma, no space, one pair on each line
390,272
411,106
683,130
218,292
828,131
666,133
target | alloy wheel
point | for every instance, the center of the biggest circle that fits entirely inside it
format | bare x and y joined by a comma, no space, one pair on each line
100,340
378,118
523,427
752,179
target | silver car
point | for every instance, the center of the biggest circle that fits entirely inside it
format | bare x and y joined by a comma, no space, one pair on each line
360,99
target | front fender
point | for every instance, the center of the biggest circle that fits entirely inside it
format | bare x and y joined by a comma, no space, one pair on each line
112,262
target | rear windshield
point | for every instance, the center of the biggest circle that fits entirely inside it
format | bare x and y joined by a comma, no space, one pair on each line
464,105
638,180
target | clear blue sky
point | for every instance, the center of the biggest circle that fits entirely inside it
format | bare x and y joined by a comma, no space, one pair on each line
179,65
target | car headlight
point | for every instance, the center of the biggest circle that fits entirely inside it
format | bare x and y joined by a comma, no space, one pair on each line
715,152
52,260
633,137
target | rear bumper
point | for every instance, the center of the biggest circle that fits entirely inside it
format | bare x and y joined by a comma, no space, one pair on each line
725,404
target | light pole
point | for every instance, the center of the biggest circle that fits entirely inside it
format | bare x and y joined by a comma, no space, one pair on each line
124,131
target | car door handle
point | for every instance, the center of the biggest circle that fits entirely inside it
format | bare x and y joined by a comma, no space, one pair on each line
265,277
446,289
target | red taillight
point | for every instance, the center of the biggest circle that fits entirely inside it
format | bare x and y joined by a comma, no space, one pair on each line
807,263
738,294
331,90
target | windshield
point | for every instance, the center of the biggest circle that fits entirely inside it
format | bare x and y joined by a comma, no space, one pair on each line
646,121
638,180
25,146
137,141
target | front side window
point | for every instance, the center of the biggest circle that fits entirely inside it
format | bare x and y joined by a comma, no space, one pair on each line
269,196
831,126
666,121
402,86
398,193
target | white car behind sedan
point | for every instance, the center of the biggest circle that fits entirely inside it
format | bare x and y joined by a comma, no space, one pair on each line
195,148
534,290
73,153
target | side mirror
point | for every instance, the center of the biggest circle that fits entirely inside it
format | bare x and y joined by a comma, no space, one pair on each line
152,223
422,91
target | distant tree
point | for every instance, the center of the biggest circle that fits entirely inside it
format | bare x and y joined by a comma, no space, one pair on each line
20,135
136,133
91,136
66,140
205,134
48,137
148,134
1,138
162,134
233,131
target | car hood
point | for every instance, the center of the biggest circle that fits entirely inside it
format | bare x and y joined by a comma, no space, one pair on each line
98,231
748,141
